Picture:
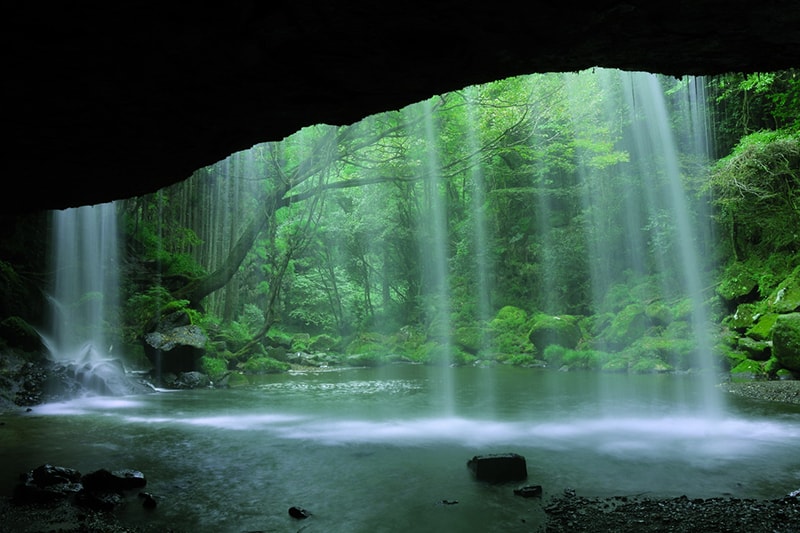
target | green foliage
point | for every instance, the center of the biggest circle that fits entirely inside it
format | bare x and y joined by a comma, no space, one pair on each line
264,365
521,359
554,355
215,368
324,343
761,175
141,308
546,330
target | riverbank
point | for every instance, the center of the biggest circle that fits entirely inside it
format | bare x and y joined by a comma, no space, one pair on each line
676,515
785,391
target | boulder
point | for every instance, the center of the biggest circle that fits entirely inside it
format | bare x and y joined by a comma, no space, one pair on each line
499,468
47,483
561,330
786,341
175,350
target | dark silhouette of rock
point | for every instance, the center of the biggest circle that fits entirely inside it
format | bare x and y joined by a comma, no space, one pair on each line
499,468
47,483
298,512
148,500
176,349
529,491
117,481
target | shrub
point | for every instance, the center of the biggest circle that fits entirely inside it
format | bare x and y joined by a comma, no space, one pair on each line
264,365
215,368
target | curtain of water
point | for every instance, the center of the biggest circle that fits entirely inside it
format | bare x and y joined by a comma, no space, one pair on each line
433,240
85,298
657,143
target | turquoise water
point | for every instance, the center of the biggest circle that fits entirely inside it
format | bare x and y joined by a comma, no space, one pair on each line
376,450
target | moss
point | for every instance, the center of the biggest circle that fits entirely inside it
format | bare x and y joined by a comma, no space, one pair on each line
786,341
520,360
747,368
649,365
213,367
627,326
739,279
659,313
264,365
786,296
562,330
762,329
554,355
323,343
744,317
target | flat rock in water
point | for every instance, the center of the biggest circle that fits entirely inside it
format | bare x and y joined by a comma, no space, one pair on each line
499,468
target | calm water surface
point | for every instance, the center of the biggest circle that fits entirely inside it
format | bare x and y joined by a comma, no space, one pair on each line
381,449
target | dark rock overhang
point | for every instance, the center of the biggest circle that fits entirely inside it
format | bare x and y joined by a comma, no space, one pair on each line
116,99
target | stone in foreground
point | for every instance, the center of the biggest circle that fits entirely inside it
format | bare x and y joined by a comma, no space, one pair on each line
499,468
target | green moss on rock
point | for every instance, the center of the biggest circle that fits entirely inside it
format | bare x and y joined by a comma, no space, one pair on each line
786,341
786,296
762,329
561,330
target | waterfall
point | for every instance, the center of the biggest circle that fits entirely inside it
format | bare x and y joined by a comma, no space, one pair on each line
85,296
84,305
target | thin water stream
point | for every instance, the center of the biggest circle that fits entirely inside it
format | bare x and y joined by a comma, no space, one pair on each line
376,450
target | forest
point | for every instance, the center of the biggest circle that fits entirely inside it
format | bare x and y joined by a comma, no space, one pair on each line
536,221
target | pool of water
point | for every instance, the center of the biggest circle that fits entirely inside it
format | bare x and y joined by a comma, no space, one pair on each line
386,449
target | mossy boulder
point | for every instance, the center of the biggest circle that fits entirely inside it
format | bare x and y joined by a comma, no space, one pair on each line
759,350
739,281
786,341
744,318
762,328
659,313
562,330
627,326
747,369
786,296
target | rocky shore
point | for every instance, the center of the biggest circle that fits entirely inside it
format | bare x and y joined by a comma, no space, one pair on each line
786,391
676,515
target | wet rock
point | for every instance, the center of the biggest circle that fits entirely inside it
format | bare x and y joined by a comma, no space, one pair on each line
529,491
117,481
99,501
175,347
148,500
47,483
298,512
499,468
191,380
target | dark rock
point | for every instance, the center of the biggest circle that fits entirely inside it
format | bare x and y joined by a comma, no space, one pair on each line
499,468
47,483
17,333
148,500
529,491
99,501
47,474
117,481
175,350
191,380
298,512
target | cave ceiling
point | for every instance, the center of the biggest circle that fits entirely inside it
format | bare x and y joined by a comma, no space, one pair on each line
117,99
